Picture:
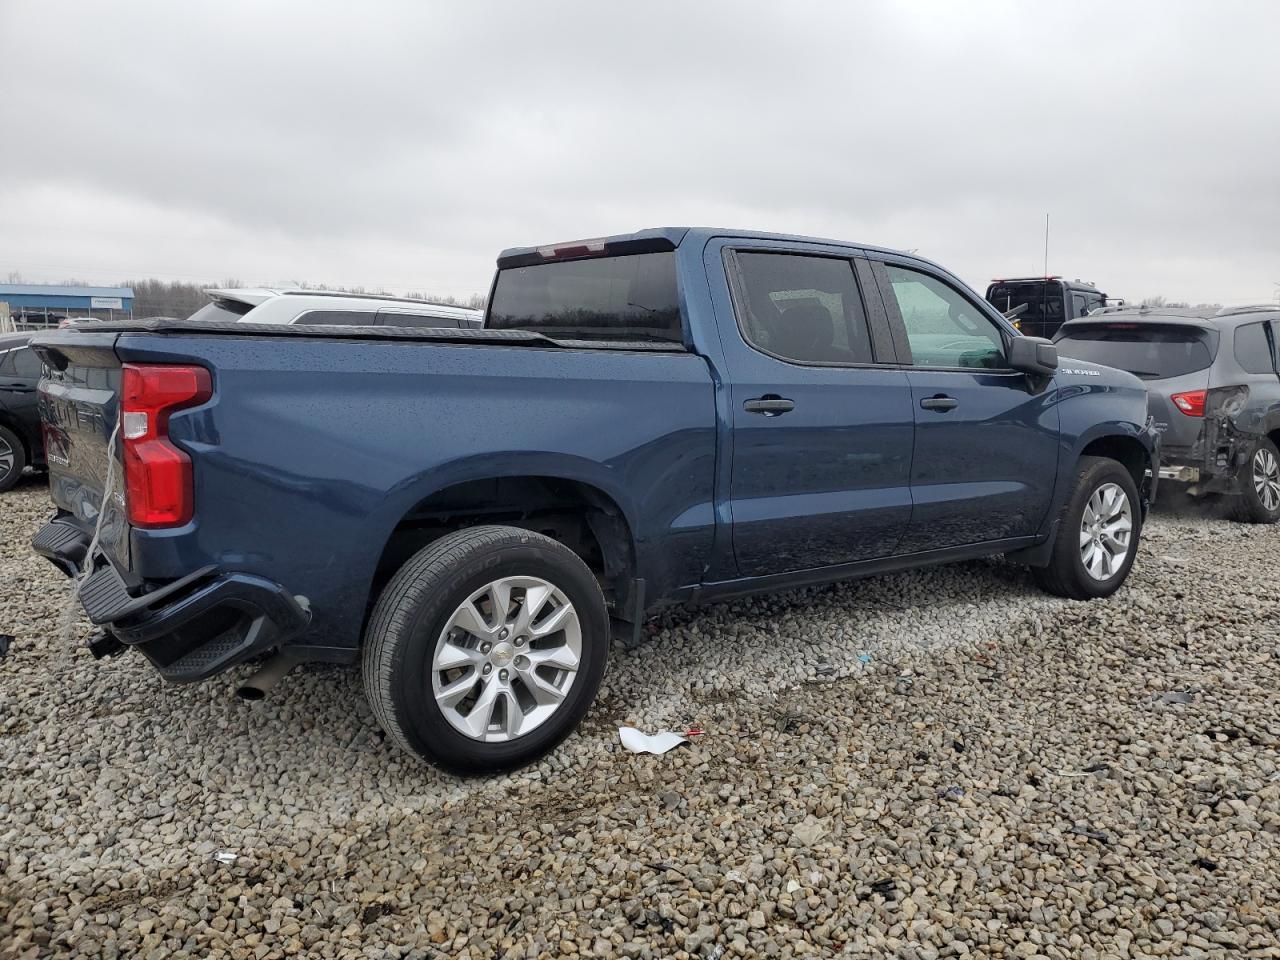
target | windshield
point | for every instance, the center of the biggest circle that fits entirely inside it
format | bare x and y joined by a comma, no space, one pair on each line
1043,299
1150,352
631,297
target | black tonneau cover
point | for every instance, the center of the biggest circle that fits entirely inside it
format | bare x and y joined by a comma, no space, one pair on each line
326,332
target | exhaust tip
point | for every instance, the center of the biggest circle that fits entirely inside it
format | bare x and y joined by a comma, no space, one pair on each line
261,683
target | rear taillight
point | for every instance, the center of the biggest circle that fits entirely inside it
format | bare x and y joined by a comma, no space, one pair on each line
158,484
1190,403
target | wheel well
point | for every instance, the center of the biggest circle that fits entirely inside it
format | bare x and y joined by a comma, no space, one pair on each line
582,517
1274,437
1126,451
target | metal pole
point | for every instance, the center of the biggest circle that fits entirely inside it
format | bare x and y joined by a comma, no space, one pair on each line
1046,244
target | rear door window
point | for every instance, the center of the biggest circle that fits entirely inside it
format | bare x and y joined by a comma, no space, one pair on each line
802,308
1150,352
1253,352
626,297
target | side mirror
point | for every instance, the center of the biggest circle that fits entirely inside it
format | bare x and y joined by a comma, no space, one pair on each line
1033,355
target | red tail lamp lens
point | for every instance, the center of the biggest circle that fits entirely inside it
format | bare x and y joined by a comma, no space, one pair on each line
158,479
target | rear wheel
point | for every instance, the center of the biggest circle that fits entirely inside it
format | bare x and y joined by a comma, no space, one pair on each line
13,459
1098,533
486,649
1259,485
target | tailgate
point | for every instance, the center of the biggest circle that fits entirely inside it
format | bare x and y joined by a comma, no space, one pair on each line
79,409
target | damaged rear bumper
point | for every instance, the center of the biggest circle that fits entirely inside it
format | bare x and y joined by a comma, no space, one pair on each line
191,628
1213,462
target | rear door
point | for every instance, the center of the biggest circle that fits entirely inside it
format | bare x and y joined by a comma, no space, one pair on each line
986,440
821,417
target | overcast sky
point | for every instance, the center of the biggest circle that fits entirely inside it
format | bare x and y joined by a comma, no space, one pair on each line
404,144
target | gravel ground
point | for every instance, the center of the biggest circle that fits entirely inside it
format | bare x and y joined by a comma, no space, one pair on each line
1007,775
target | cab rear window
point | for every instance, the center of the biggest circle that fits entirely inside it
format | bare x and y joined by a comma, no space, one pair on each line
1147,351
627,297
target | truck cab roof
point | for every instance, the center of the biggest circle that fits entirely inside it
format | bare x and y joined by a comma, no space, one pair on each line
1068,284
654,239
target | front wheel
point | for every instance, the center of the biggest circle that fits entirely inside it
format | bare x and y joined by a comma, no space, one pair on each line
486,649
1098,533
1259,485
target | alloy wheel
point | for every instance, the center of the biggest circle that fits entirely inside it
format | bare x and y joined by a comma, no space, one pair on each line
1106,531
7,458
1266,479
506,659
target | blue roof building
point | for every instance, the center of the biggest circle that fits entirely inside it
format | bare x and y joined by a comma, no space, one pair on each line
44,304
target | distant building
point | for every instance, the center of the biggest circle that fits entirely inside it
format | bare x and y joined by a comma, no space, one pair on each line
38,305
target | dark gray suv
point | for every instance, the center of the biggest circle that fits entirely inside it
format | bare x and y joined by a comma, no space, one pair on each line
1212,387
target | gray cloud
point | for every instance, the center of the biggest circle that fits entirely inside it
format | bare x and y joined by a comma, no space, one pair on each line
404,144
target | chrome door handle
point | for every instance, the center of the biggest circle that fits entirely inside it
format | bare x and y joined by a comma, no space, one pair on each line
771,405
942,403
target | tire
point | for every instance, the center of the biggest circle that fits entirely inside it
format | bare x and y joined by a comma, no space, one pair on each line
1259,485
1067,574
13,459
407,655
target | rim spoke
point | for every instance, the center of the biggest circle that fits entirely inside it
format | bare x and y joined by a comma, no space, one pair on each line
513,716
1095,563
469,618
535,598
1115,501
561,658
480,716
500,598
451,655
454,693
542,689
557,620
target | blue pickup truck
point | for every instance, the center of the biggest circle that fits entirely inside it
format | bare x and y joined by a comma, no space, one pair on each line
669,416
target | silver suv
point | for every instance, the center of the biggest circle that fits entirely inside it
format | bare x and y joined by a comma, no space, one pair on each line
312,307
1212,388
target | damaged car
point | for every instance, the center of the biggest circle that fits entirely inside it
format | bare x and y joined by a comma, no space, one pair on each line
1212,389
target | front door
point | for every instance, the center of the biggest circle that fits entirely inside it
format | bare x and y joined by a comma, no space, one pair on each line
986,439
822,433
